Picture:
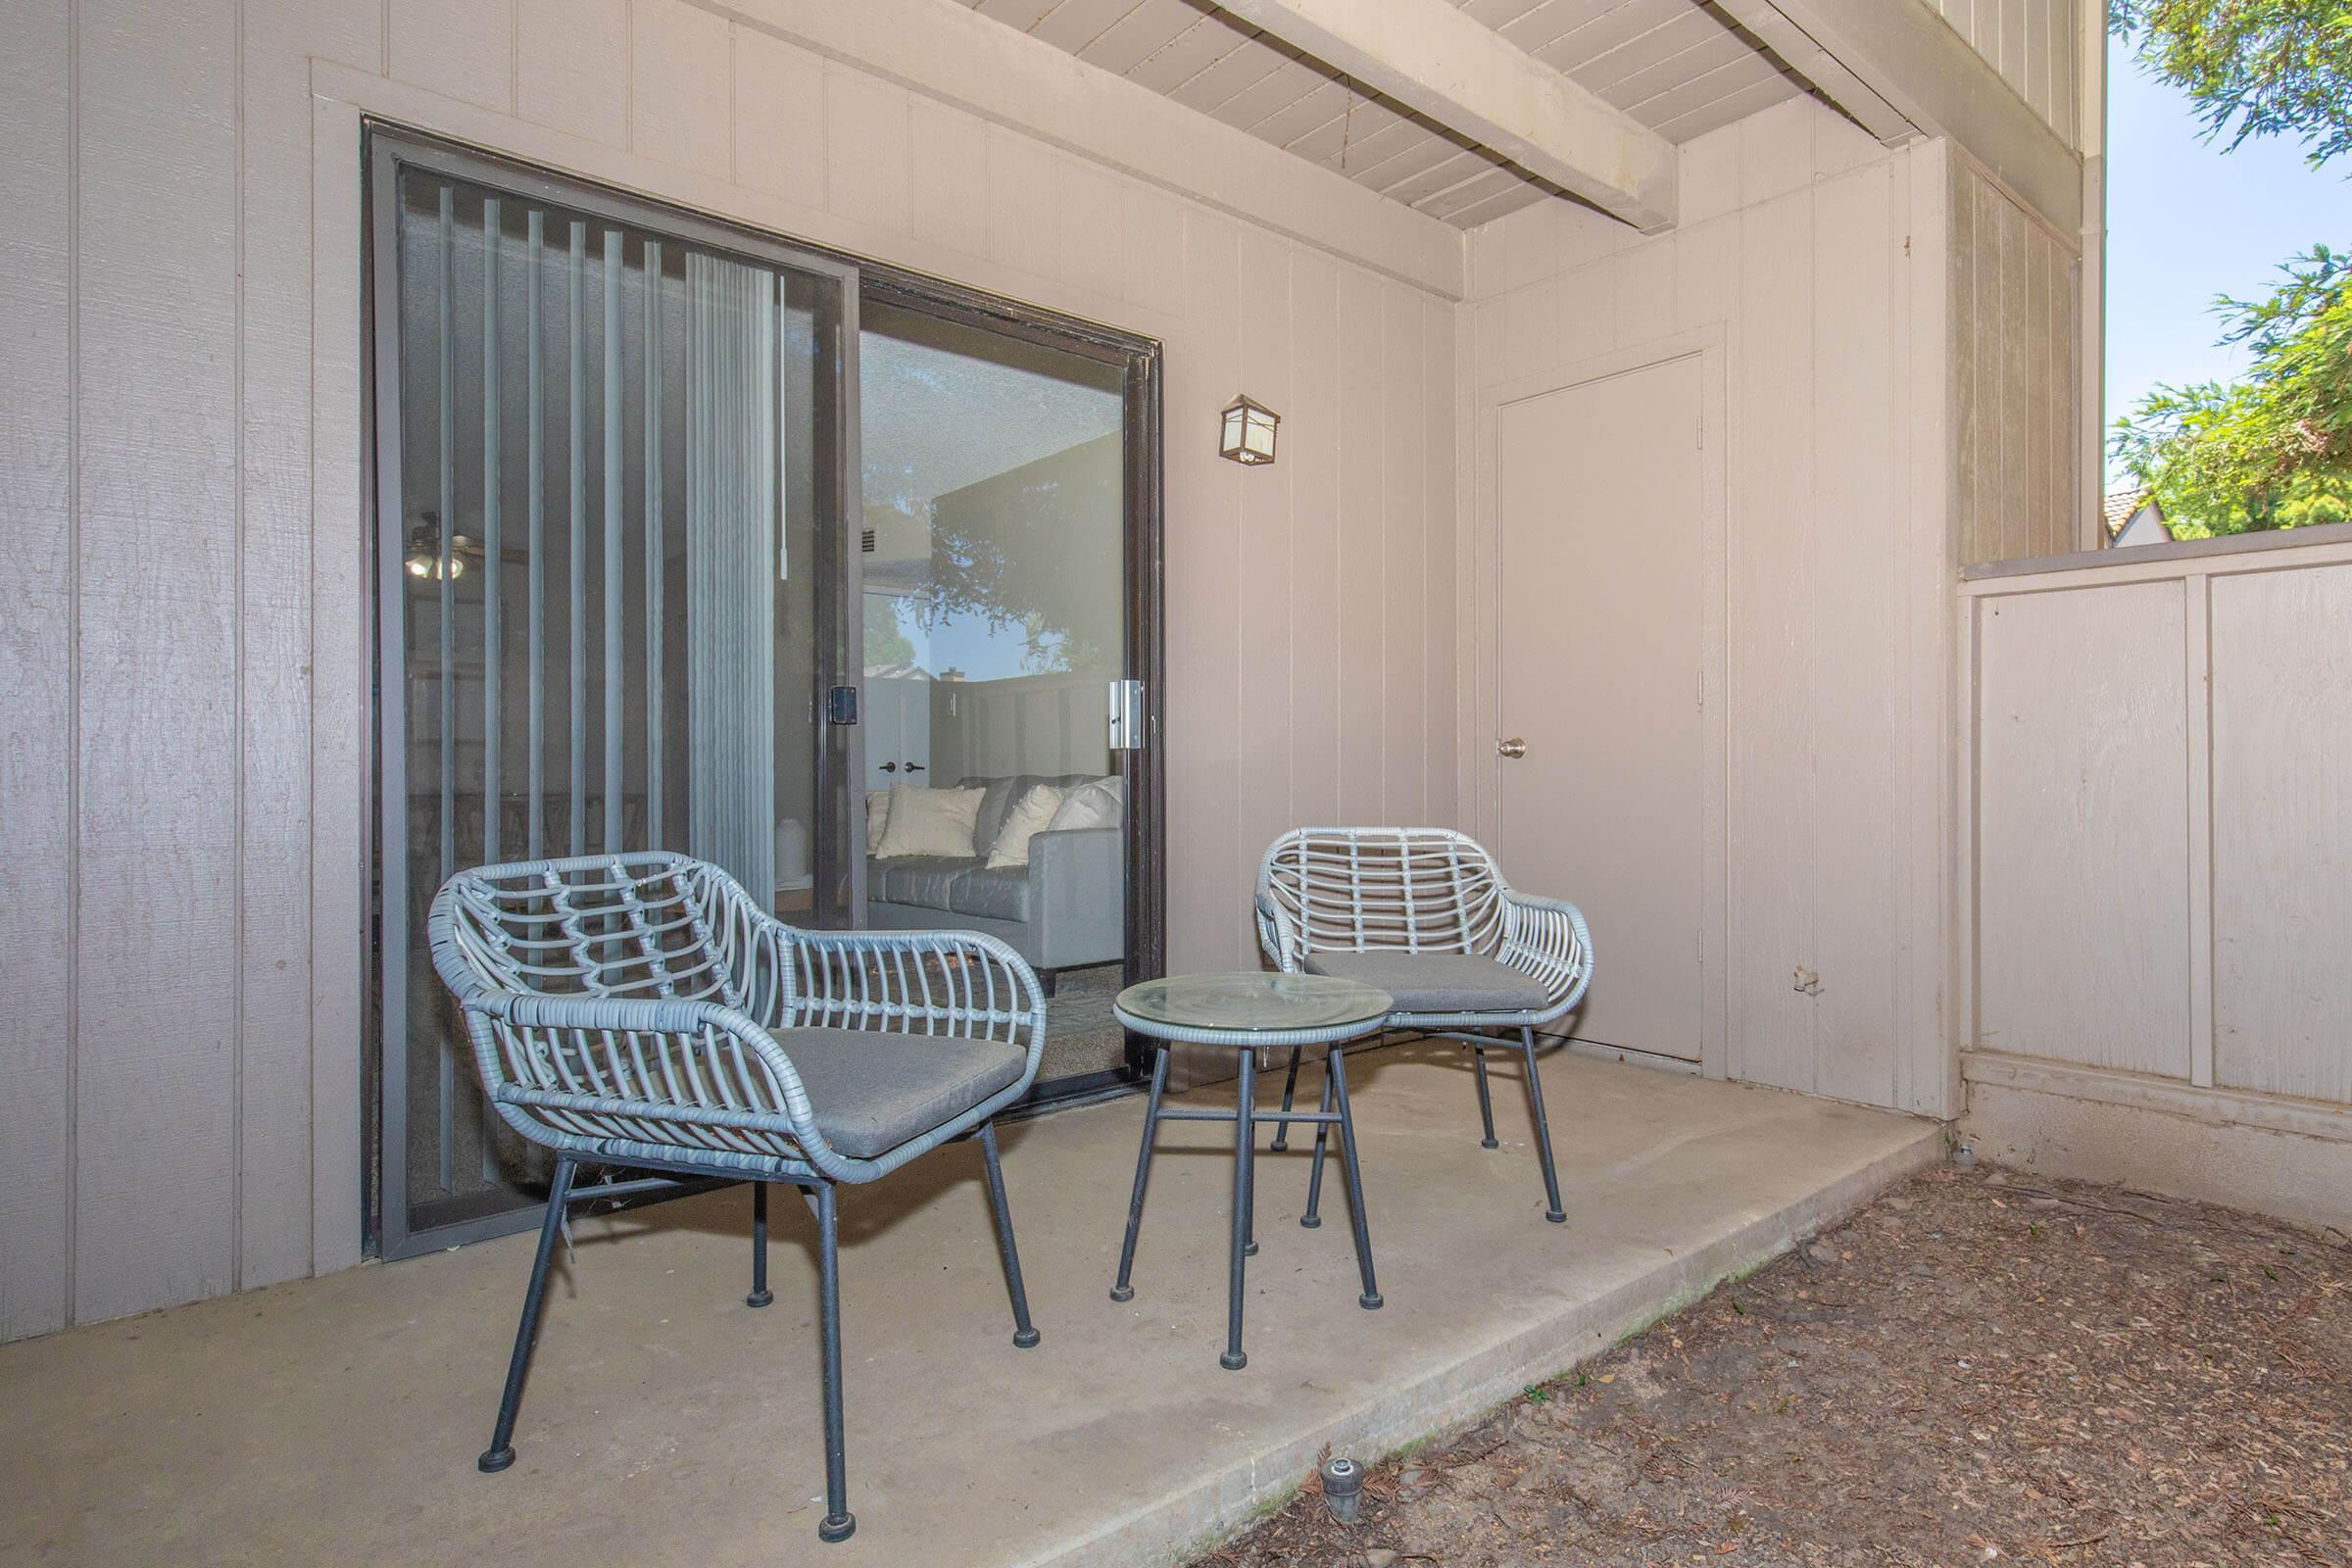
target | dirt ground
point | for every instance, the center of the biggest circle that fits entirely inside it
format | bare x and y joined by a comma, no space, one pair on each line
1979,1367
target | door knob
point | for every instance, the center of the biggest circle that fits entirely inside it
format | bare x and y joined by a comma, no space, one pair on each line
1514,747
890,768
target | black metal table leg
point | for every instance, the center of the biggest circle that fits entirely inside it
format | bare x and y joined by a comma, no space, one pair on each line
1249,1230
1245,1151
1290,1089
1370,1300
1122,1291
1313,1216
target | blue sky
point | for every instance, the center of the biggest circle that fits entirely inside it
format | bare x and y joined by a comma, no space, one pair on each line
2186,220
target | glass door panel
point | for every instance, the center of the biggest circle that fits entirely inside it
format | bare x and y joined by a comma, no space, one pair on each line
610,601
995,599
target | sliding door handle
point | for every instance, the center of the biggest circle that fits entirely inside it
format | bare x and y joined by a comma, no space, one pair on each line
1126,727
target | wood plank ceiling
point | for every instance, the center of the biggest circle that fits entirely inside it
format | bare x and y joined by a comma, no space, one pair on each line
1677,66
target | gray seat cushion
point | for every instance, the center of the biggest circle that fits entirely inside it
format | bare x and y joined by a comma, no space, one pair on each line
927,881
873,1090
1435,982
998,894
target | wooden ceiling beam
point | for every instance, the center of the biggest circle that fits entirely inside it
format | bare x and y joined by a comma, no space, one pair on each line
1461,74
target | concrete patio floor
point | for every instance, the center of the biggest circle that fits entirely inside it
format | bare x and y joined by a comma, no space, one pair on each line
336,1420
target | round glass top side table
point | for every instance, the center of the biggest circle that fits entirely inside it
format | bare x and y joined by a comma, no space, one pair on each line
1245,1012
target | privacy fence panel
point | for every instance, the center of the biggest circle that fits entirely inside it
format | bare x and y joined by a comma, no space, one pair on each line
2161,829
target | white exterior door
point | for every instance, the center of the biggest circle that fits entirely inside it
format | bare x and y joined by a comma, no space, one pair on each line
1600,587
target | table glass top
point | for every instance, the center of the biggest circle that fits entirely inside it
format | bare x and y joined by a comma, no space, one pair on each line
1254,1004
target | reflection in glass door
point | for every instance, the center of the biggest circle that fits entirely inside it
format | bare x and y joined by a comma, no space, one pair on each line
609,608
996,637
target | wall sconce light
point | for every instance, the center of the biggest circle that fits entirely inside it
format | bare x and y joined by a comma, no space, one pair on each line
1248,434
424,554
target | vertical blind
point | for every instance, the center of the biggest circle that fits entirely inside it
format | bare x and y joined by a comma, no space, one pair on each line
732,539
592,462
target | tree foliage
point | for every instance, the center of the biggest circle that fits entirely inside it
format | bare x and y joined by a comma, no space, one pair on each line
2273,450
2253,68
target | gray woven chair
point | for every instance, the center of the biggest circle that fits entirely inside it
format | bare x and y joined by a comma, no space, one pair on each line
1424,913
641,1011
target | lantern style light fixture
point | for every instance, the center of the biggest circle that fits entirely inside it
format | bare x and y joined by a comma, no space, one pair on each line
1248,434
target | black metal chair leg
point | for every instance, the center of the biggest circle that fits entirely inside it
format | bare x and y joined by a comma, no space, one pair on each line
839,1523
1370,1300
1025,1333
1290,1088
1485,1100
1123,1291
760,1294
1312,1218
501,1452
1535,1098
1245,1151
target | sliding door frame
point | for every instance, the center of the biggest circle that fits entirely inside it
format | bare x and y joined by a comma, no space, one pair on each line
386,148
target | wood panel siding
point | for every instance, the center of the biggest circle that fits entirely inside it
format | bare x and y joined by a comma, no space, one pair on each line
38,494
2034,44
1811,254
159,525
2015,382
185,682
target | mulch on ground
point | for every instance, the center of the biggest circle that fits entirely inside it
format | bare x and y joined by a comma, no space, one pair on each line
1981,1367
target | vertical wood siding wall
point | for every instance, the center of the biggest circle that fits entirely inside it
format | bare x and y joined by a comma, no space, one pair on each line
2162,843
2035,45
2015,401
185,675
1818,255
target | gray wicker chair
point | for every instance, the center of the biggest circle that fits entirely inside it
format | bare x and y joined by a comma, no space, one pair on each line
1424,913
640,1010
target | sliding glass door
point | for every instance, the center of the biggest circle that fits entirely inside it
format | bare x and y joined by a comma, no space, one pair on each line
610,605
661,566
998,648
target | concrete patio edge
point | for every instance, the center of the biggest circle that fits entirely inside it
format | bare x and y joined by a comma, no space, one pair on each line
1204,1509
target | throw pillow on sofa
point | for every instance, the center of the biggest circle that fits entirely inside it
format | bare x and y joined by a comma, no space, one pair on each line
877,815
1027,818
1101,803
929,822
